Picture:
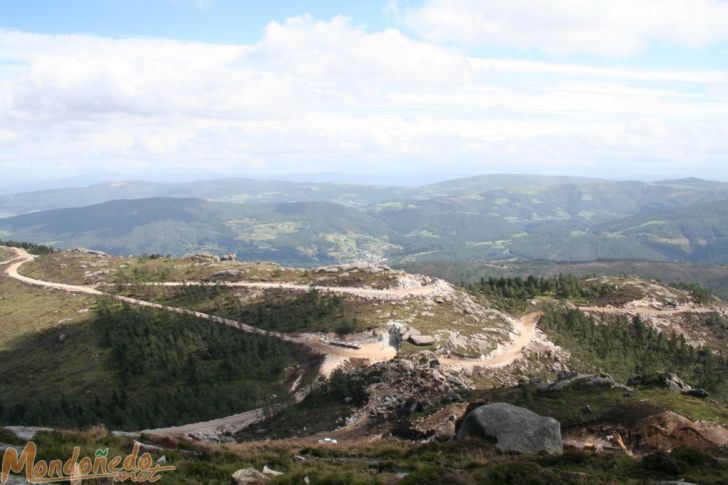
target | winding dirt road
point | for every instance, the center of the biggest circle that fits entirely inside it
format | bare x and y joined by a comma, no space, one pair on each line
374,351
377,351
525,331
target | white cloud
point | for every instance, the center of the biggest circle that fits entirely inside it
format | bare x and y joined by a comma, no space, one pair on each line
315,95
336,51
610,28
7,136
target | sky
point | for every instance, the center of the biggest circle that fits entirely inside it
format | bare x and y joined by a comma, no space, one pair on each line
605,88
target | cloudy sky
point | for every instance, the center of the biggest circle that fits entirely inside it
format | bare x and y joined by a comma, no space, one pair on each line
615,88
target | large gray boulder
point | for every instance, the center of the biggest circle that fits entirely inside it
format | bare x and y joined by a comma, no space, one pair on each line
512,428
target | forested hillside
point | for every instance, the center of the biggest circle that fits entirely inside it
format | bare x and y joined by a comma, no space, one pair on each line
135,368
488,218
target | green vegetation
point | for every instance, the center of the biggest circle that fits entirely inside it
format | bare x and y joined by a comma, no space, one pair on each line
697,292
466,463
511,293
276,310
625,347
323,409
30,247
609,406
25,310
497,217
142,274
140,368
311,311
713,277
323,231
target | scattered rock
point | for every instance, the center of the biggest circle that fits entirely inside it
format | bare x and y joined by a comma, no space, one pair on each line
89,251
373,268
701,393
249,475
422,339
662,379
439,426
204,258
410,332
512,428
580,381
227,273
271,472
566,374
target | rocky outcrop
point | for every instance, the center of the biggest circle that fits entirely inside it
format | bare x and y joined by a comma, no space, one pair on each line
248,476
361,266
228,273
667,380
439,425
512,428
660,379
204,258
90,252
566,379
668,430
408,385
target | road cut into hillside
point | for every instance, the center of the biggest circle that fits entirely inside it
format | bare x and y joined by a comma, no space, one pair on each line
524,332
375,350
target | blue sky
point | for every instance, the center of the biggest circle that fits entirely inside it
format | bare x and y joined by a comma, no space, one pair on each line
243,21
589,87
240,21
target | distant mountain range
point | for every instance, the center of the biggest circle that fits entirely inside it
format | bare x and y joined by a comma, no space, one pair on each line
490,217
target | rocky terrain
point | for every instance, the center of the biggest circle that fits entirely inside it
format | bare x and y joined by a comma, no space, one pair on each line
424,364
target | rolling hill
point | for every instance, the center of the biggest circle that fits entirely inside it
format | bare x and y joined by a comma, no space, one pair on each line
495,217
314,232
239,190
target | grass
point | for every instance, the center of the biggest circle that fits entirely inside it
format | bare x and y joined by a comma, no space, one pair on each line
50,346
6,253
121,370
608,405
70,268
25,310
80,268
389,461
366,314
